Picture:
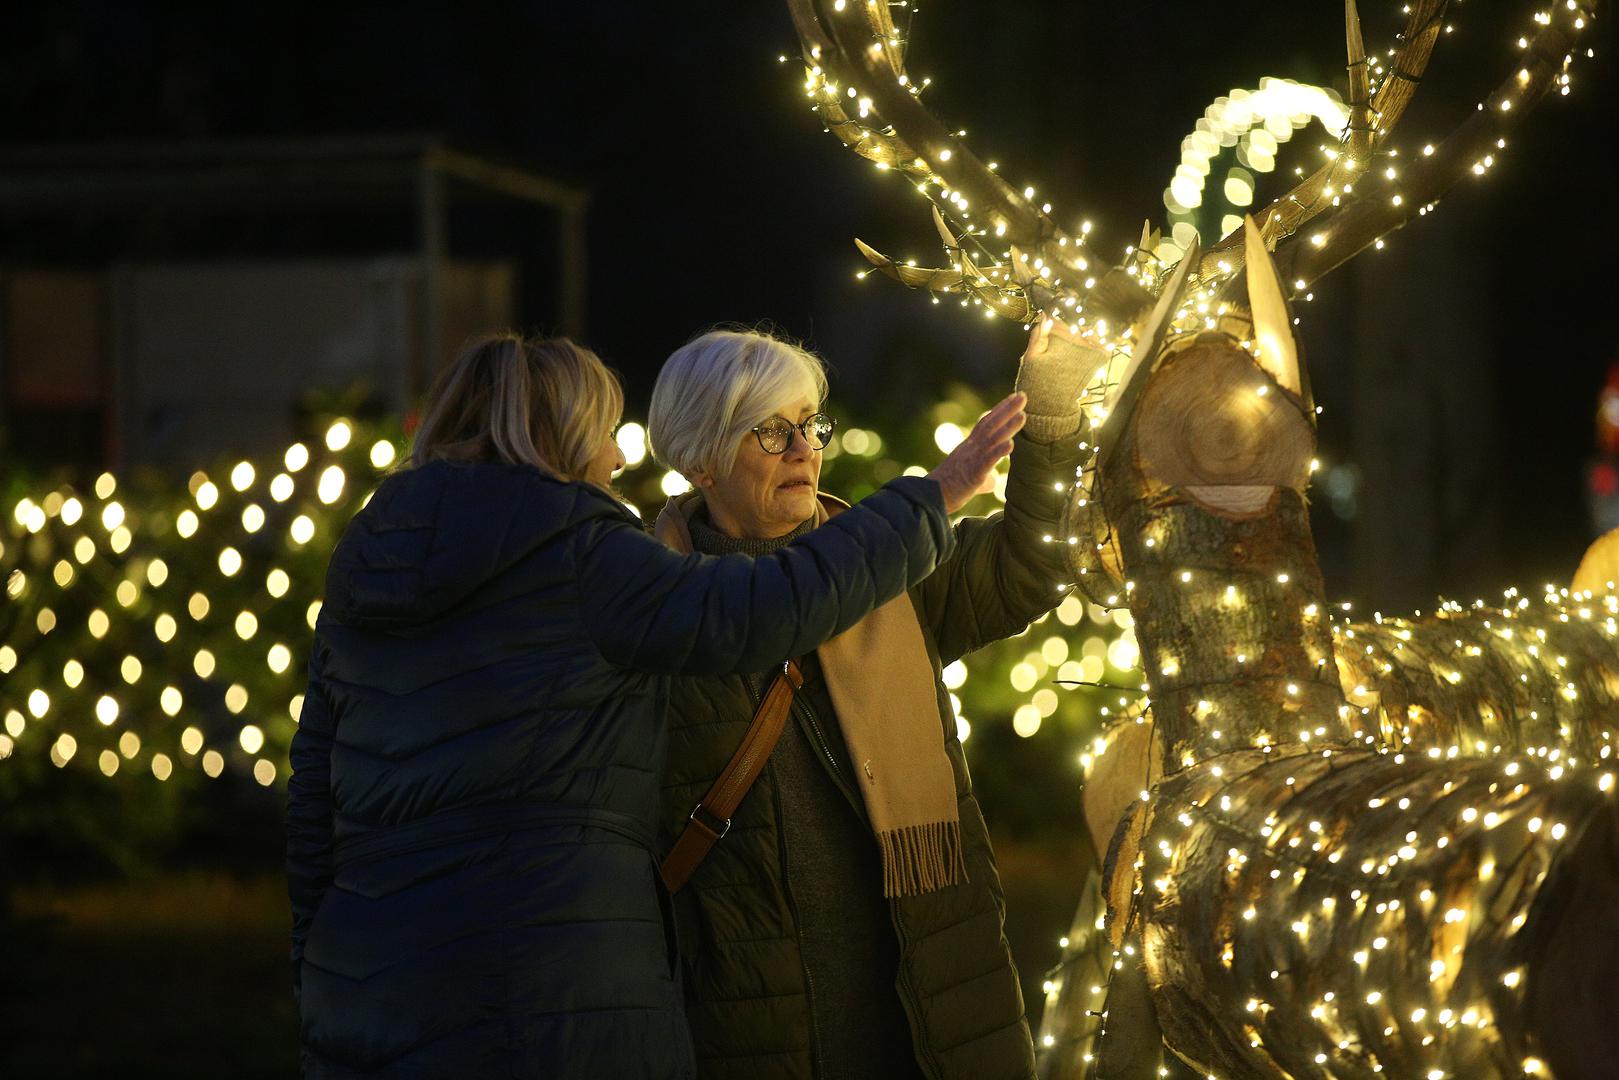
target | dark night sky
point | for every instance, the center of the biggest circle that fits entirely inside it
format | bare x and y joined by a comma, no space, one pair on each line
717,197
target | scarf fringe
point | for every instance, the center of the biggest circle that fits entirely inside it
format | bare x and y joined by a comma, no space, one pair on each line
921,858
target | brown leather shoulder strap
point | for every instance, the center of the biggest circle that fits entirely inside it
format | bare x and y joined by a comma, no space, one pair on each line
711,818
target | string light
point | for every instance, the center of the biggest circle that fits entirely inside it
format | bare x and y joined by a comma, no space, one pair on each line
147,572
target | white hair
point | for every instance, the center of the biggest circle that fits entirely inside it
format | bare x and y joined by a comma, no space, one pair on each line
716,388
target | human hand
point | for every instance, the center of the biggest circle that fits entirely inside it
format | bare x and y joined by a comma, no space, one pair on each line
1055,367
969,468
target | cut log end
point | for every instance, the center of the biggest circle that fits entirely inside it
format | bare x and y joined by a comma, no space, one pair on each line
1211,418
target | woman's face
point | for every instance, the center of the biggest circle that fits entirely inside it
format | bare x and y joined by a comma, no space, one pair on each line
608,460
767,495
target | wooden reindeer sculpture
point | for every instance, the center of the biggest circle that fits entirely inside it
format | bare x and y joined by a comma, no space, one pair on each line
1305,899
1523,681
1299,883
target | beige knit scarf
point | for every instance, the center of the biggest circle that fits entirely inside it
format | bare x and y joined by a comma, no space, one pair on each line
881,682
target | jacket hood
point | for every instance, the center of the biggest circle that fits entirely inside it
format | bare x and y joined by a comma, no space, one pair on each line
432,536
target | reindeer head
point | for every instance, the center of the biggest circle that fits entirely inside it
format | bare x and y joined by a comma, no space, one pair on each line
1203,415
1214,398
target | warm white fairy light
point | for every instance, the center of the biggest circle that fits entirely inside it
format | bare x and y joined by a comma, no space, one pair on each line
330,486
1387,662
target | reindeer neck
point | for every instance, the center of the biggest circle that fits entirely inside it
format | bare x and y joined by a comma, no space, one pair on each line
1231,619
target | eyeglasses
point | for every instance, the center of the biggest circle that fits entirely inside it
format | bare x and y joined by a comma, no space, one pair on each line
775,433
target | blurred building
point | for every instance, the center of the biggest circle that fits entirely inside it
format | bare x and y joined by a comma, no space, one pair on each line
166,303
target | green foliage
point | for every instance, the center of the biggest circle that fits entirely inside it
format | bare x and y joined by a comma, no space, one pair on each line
154,636
153,639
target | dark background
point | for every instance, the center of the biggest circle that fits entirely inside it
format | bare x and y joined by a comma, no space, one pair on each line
716,197
1459,369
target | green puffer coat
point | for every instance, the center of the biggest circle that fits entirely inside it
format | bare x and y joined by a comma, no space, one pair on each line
748,992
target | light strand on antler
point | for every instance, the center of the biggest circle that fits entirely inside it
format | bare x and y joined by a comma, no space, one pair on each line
1360,219
853,57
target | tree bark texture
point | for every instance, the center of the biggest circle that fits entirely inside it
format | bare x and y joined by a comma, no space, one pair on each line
1348,914
1234,633
1537,675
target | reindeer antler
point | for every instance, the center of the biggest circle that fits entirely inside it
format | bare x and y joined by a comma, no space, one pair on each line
1355,219
852,45
853,51
1371,118
1470,148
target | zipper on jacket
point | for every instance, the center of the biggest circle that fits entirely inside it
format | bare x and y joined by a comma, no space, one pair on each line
815,1055
907,998
825,747
756,686
817,736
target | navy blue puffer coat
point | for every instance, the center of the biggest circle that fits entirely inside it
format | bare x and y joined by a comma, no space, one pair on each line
477,763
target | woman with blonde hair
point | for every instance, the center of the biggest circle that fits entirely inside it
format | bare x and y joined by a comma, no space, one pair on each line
845,919
475,772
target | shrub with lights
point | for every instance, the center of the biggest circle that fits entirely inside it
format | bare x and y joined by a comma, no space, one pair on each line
153,637
156,636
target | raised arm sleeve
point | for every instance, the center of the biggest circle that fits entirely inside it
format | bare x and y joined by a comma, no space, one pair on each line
309,813
1007,567
651,609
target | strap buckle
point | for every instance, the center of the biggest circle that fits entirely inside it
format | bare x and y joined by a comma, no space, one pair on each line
719,833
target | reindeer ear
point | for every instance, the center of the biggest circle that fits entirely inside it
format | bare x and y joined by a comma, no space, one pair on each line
1149,339
1150,332
1274,346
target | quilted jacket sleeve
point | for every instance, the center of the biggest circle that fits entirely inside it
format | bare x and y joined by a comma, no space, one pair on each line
309,812
650,609
1007,567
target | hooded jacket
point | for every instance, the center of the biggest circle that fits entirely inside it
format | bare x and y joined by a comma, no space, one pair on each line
475,773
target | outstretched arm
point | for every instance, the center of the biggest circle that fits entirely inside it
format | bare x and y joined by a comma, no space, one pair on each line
1008,567
653,610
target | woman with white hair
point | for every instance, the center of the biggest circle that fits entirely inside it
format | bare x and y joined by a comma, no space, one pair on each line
469,818
845,919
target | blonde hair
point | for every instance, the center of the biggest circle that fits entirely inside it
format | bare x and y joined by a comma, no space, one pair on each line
545,402
719,386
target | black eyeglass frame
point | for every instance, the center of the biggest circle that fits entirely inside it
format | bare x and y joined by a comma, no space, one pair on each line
802,429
